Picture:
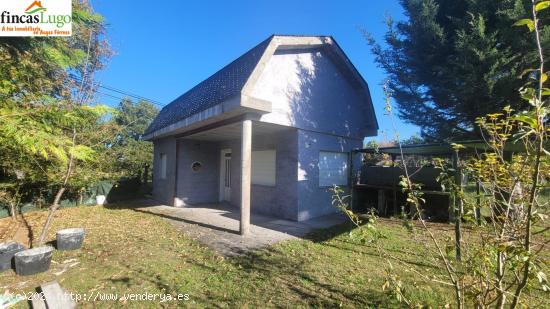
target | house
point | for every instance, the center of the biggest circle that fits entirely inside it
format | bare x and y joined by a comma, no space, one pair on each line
268,133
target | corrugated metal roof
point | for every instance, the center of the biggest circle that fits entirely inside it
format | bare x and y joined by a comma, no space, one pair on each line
222,85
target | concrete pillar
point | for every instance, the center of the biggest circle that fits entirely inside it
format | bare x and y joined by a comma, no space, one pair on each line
246,167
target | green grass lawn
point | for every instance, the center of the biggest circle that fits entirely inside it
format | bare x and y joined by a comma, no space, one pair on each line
126,251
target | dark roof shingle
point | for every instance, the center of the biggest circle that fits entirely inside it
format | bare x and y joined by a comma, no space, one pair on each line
222,85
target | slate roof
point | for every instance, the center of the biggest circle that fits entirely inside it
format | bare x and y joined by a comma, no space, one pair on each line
222,85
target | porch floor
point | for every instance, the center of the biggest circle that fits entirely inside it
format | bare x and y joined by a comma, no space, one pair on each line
217,226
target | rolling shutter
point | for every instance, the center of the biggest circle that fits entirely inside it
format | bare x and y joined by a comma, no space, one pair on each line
263,167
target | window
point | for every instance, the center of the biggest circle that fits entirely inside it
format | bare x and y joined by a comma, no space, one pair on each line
333,168
263,167
162,166
196,166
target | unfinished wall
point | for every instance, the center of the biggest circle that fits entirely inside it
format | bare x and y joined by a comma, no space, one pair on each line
201,186
313,200
163,189
279,200
309,91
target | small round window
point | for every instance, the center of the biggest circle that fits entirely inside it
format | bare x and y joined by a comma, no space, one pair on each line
196,166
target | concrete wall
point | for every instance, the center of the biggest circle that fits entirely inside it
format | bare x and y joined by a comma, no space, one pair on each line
281,199
163,189
202,186
313,200
308,91
296,195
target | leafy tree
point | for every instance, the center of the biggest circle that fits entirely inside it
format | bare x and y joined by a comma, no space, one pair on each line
48,121
413,140
135,117
133,155
503,261
452,61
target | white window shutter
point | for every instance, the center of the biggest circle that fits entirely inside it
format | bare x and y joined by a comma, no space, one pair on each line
264,167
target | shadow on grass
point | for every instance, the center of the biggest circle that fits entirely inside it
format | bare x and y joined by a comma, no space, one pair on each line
162,215
287,277
322,235
132,204
138,277
297,279
52,243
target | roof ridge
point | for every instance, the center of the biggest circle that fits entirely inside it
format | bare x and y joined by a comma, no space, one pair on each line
303,35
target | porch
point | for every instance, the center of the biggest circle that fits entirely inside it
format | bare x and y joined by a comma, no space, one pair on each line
217,226
213,164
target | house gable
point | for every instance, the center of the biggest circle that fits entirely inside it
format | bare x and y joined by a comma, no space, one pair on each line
307,79
310,90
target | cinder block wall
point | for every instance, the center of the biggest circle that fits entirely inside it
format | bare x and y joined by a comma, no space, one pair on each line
310,92
279,200
201,186
163,189
313,200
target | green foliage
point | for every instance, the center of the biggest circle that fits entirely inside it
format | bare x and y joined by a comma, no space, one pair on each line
371,159
366,227
452,61
525,22
542,5
46,118
507,256
135,117
413,140
132,155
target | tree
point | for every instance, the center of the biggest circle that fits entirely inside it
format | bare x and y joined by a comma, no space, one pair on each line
452,61
133,155
413,140
48,121
503,261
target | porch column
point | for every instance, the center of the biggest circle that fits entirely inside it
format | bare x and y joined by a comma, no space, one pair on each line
246,165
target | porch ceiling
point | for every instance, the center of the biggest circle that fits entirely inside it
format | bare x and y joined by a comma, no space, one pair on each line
233,131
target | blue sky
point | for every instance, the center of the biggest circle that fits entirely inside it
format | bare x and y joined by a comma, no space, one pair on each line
164,48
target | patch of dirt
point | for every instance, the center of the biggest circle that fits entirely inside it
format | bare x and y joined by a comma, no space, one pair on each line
8,227
22,236
18,230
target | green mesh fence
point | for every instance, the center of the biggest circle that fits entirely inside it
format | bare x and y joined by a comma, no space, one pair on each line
88,198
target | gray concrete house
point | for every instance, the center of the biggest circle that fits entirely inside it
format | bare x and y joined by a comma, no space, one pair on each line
268,133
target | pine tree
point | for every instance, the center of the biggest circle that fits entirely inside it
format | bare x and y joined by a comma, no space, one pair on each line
452,61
